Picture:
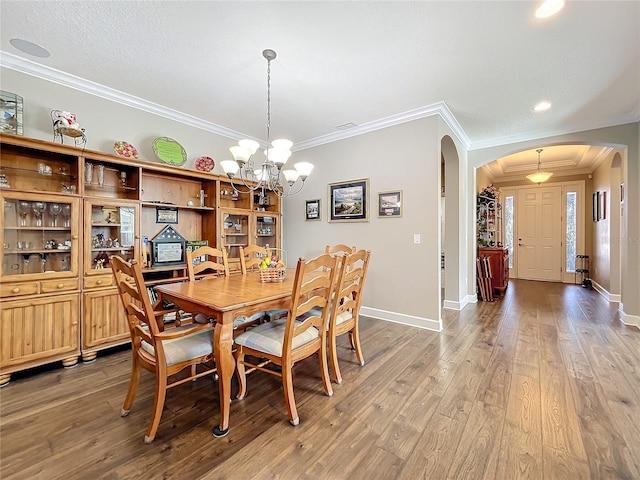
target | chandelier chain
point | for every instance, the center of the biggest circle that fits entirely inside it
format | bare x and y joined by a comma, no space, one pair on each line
268,102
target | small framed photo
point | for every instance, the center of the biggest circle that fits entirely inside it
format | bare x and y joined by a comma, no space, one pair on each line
349,201
166,215
312,209
390,204
602,204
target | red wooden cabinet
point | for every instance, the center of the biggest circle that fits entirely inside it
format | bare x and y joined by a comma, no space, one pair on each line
499,261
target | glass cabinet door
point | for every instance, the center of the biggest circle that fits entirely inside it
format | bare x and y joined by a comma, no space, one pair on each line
39,235
235,234
111,229
267,230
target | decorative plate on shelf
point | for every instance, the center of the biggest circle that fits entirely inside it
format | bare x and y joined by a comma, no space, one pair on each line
124,149
169,151
205,164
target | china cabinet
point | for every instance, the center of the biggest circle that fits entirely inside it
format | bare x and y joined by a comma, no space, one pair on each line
111,228
66,210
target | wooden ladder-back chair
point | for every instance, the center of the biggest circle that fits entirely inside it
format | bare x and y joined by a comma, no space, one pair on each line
345,308
250,260
216,261
163,353
339,249
303,333
215,265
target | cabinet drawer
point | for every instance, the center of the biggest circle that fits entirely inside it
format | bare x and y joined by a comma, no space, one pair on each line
98,282
17,289
60,285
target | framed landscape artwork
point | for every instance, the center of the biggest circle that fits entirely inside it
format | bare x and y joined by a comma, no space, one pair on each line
312,209
349,201
390,204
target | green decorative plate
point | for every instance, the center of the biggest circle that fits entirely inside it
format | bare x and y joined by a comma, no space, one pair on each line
169,151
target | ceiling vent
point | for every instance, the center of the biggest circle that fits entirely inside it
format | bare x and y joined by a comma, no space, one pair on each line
346,126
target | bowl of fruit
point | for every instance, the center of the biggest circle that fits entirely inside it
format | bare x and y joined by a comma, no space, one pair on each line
273,268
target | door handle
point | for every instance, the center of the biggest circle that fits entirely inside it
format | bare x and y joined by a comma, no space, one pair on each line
521,245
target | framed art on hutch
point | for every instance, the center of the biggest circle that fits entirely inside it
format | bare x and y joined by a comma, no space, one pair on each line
349,201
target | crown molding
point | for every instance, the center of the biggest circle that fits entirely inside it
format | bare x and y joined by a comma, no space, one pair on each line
439,108
633,116
59,77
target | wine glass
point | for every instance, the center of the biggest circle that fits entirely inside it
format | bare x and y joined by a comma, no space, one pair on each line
43,260
38,210
25,262
23,210
66,214
55,209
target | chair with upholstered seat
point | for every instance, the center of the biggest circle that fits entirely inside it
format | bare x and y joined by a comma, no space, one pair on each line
214,262
340,249
302,334
250,259
162,352
345,309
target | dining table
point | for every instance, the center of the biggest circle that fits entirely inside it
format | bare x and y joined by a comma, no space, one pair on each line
225,299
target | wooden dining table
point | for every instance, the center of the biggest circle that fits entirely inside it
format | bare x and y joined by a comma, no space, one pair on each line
225,299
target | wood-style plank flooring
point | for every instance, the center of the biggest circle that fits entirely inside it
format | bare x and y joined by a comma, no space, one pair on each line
543,384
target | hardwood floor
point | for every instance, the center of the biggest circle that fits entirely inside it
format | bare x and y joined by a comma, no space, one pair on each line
544,384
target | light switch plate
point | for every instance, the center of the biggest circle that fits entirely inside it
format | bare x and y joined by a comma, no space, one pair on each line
416,238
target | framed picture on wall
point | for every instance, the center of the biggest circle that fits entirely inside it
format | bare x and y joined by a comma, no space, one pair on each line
390,204
349,201
312,209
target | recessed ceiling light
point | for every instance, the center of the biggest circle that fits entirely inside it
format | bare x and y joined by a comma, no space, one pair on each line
542,106
549,8
30,48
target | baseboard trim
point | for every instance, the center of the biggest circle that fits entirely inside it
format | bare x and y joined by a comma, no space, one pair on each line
627,319
610,297
410,320
453,305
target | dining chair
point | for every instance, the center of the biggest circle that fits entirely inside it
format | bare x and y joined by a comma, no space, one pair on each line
215,264
250,259
345,309
301,334
339,249
163,353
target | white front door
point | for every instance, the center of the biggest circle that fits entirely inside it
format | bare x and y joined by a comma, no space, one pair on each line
539,235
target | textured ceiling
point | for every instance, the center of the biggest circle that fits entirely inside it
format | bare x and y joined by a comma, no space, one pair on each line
341,62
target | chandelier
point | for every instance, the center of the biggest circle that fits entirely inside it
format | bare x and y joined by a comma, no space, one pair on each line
539,176
269,175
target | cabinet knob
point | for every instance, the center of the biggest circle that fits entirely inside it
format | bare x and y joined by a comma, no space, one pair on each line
75,237
75,322
99,282
15,290
60,285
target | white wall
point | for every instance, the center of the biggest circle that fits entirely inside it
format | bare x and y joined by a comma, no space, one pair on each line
403,281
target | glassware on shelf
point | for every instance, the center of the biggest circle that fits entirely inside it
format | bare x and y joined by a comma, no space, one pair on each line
38,210
55,209
88,173
26,258
43,260
23,210
100,170
66,214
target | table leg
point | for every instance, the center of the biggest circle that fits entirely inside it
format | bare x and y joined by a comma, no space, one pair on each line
225,363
